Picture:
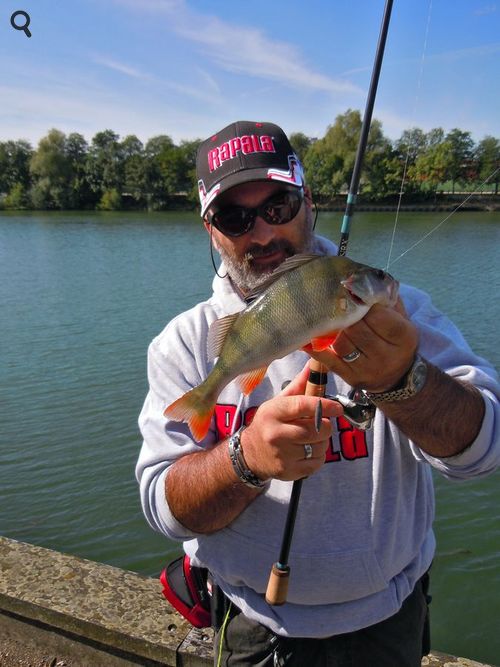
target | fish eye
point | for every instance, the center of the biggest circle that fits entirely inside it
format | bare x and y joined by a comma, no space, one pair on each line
381,274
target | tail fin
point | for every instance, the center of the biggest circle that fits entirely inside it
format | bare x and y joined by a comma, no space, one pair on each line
195,409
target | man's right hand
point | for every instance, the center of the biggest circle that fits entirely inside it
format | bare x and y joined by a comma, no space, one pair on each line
273,444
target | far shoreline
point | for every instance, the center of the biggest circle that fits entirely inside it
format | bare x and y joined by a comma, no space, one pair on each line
440,203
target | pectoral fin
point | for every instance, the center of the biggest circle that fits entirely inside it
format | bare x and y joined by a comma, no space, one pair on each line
321,342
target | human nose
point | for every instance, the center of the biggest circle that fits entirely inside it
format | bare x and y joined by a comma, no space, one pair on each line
262,232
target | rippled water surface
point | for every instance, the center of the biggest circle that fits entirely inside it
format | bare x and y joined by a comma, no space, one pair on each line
81,296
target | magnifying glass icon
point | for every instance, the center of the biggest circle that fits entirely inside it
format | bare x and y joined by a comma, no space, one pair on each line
25,26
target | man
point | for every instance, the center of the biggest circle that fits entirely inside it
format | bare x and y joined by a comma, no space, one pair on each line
363,539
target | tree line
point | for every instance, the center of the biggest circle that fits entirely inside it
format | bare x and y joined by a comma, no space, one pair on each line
109,173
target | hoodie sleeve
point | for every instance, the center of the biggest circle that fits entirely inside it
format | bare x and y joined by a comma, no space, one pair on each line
176,364
444,346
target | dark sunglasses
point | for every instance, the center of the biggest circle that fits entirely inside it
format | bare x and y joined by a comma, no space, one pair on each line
280,208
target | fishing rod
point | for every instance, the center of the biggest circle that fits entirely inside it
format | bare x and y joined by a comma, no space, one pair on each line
277,587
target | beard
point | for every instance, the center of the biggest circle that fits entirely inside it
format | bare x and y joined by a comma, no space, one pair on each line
248,276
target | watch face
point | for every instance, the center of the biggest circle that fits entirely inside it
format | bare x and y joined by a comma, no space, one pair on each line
418,375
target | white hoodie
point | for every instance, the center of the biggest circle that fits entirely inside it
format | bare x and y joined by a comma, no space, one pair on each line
363,534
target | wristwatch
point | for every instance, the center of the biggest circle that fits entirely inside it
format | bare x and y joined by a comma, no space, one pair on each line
410,385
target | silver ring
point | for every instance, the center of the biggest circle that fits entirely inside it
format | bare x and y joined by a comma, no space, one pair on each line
352,356
308,451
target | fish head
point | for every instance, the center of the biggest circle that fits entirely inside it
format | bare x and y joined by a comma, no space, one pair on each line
368,286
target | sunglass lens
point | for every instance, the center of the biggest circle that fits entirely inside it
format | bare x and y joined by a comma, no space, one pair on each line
277,210
282,209
233,221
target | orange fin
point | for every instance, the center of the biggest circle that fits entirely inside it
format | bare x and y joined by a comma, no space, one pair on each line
250,380
192,410
322,342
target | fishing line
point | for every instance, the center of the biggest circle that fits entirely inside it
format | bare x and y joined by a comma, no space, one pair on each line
237,413
415,104
222,633
447,217
212,256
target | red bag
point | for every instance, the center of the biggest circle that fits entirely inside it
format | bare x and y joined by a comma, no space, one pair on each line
186,588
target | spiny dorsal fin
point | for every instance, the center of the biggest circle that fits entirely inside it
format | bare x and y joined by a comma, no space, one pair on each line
288,265
217,334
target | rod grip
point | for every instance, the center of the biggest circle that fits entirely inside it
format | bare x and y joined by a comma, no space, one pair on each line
277,586
318,377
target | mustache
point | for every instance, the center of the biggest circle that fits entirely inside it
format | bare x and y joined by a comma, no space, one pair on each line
257,250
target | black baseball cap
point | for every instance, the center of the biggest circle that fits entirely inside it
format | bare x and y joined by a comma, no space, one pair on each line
243,152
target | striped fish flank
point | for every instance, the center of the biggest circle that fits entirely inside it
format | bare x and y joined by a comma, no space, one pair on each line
306,301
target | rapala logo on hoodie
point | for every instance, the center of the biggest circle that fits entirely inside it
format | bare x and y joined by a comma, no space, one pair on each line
248,143
349,446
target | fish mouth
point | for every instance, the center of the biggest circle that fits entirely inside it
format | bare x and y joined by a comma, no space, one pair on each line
348,287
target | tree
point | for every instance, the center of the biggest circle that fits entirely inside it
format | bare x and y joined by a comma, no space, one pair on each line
154,184
134,169
434,137
111,200
51,168
411,143
80,193
105,163
300,143
323,170
487,157
329,162
15,157
17,198
462,147
433,166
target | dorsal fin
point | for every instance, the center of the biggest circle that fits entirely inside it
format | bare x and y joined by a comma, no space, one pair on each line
289,264
217,334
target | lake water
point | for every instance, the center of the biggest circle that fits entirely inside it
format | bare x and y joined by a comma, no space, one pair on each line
81,296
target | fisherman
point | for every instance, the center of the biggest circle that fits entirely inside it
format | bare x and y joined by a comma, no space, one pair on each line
363,540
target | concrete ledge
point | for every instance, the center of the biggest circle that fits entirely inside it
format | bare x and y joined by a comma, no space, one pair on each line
93,615
88,604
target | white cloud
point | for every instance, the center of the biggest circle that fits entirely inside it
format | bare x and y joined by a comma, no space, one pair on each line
32,112
205,94
242,49
120,67
482,51
487,9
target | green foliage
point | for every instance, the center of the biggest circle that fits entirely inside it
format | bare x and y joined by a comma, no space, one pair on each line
17,198
112,173
300,143
111,200
487,156
15,157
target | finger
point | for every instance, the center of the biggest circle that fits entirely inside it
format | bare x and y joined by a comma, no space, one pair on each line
385,323
298,385
329,358
302,432
305,407
344,345
314,451
400,308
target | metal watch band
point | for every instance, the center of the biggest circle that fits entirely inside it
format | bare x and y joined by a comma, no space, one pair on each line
240,465
412,383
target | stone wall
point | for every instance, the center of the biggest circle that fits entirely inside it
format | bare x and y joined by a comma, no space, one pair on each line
93,615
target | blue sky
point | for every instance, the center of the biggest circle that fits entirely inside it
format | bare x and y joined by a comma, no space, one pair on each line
186,68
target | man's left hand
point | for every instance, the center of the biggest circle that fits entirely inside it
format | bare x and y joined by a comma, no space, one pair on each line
387,342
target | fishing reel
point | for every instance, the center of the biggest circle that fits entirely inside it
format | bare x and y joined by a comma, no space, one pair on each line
358,409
